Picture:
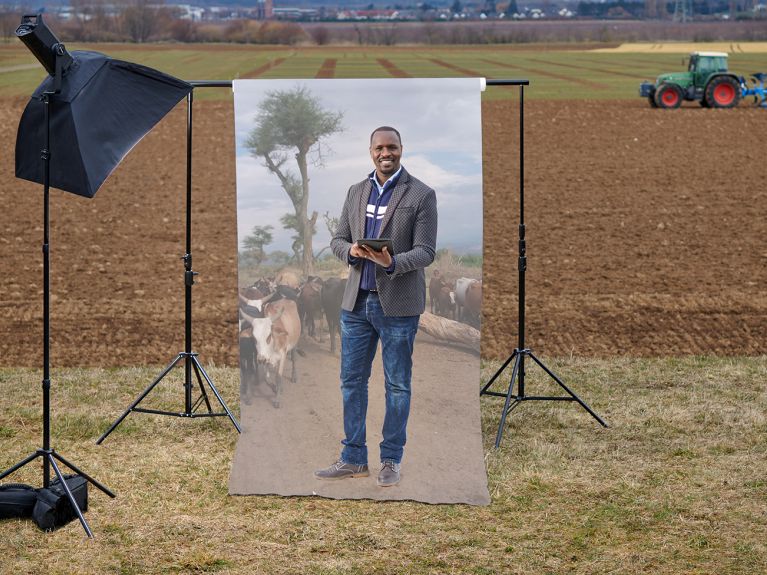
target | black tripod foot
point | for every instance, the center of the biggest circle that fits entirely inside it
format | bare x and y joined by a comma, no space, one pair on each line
514,400
49,457
192,365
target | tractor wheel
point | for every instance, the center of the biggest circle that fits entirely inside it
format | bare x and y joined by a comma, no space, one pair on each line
723,92
668,96
651,99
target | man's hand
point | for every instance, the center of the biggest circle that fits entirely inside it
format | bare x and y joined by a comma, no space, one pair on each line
382,258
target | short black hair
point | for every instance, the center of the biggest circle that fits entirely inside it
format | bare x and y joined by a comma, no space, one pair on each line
385,129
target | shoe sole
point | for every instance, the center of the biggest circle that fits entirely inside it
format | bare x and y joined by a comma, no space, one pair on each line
350,476
388,484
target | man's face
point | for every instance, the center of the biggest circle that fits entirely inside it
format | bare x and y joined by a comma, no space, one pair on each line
386,151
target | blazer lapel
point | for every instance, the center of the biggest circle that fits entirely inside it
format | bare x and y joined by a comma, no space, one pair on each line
362,207
396,196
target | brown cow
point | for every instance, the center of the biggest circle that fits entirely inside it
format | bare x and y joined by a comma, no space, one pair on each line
276,335
332,295
472,309
436,283
309,303
446,302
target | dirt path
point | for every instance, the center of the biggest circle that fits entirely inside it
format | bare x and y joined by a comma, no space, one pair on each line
281,447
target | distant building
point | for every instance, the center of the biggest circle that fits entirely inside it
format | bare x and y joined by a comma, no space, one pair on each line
264,10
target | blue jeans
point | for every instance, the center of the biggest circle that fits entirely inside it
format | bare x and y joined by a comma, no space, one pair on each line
360,331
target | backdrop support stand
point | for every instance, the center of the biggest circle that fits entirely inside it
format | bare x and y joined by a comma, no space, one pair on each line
191,362
518,355
48,454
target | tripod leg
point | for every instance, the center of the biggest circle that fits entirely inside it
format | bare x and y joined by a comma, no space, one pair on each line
21,464
71,497
499,372
573,395
203,393
506,408
138,400
218,395
87,477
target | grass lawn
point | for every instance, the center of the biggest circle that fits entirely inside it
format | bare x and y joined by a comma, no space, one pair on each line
677,485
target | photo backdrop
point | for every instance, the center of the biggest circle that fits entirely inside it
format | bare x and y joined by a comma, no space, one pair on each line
300,145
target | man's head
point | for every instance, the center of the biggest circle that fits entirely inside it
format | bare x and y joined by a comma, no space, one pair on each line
385,151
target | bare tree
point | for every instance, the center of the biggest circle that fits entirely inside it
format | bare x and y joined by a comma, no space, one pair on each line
9,21
141,19
293,123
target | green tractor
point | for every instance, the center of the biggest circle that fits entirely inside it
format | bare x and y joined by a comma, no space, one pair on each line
707,80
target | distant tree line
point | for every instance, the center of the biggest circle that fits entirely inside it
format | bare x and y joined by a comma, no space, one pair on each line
152,21
621,9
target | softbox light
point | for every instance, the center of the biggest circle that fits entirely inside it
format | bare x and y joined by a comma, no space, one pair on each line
104,108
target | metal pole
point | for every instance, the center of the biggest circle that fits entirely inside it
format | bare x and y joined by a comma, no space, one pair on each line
188,273
522,262
46,157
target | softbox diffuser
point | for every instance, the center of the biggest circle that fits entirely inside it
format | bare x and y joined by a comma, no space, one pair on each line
104,108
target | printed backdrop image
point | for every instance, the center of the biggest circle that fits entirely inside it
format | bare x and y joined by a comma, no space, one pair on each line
300,145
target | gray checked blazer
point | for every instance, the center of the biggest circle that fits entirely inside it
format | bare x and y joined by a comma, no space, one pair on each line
411,222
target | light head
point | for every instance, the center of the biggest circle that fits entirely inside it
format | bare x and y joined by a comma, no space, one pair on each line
43,43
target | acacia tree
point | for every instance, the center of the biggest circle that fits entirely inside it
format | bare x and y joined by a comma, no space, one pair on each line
292,123
253,244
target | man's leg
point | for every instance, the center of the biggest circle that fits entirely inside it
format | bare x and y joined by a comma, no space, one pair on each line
397,339
358,347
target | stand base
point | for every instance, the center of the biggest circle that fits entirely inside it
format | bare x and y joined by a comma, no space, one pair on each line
192,364
49,459
512,400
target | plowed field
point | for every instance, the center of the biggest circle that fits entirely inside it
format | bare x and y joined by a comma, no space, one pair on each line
646,236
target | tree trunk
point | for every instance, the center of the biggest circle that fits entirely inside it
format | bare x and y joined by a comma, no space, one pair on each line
450,331
306,224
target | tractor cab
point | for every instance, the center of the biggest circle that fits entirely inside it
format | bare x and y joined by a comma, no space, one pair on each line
703,64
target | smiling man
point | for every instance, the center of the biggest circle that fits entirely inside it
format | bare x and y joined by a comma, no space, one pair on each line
384,298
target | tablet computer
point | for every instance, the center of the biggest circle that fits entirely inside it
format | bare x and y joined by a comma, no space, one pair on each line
377,244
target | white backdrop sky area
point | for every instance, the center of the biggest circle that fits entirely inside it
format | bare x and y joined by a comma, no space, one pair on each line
440,123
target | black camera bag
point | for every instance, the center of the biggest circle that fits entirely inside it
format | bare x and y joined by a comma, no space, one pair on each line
53,508
17,500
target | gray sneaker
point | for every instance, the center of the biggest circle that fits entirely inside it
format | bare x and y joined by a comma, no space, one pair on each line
389,474
341,470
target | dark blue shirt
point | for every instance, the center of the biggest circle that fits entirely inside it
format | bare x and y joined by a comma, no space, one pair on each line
375,212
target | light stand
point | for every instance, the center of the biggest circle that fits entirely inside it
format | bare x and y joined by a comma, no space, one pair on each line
191,363
519,354
47,453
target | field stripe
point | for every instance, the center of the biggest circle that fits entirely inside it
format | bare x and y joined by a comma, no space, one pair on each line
256,72
587,68
537,72
449,66
328,69
393,70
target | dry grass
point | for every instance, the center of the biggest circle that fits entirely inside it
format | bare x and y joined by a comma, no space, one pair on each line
677,485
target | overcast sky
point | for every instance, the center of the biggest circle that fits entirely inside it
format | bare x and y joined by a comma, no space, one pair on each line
440,123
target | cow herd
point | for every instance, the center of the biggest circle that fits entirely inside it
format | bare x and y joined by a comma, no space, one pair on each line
274,312
457,299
